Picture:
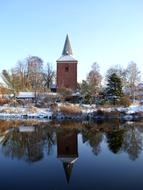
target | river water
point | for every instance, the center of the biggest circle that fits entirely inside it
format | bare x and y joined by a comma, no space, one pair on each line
69,155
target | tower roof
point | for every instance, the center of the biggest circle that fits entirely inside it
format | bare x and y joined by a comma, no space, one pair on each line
67,50
68,165
68,170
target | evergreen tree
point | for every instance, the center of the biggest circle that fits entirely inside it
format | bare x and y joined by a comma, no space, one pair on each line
114,87
86,93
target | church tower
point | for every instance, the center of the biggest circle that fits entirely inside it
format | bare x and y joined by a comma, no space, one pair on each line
67,68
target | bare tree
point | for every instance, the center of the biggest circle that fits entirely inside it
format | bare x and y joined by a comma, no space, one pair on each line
34,74
94,78
29,75
133,142
10,80
48,76
132,77
21,72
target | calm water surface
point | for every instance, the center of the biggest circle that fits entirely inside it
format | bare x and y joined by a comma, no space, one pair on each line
40,155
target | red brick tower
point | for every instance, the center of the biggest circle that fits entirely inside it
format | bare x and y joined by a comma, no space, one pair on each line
67,68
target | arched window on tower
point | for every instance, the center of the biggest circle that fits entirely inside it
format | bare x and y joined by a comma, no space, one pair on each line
67,68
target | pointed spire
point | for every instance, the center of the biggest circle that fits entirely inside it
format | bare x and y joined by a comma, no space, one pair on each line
67,47
68,170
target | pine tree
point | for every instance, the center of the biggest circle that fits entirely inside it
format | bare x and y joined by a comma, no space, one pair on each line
114,87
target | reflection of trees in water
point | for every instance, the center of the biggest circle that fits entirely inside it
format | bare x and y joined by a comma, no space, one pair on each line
127,138
133,142
50,141
115,140
94,139
28,145
95,142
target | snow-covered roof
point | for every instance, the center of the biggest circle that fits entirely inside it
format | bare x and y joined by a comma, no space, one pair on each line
67,50
25,95
52,94
66,58
76,94
26,128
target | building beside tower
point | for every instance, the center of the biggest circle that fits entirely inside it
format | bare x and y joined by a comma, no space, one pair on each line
67,68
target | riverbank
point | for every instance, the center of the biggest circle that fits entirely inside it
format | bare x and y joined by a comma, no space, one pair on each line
25,112
68,111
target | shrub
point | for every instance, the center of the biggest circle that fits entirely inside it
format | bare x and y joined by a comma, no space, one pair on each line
70,109
3,101
125,101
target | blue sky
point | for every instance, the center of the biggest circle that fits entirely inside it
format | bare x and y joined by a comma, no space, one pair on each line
109,32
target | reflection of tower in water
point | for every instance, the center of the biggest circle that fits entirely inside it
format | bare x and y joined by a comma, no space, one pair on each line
67,150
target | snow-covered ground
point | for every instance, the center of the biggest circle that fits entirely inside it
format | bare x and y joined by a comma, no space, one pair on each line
135,109
29,112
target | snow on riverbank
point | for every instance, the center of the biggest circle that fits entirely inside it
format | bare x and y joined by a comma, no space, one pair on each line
29,112
135,109
34,112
